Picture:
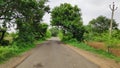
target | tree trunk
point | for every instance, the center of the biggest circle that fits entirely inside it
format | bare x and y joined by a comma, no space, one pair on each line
3,33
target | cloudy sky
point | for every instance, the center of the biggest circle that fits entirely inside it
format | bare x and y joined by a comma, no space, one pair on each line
90,8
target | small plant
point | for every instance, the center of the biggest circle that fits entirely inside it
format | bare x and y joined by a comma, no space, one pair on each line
48,34
6,53
111,43
60,35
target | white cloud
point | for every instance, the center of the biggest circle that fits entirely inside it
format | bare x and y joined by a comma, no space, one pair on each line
90,8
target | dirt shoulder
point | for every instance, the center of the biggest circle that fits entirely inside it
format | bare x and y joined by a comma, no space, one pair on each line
102,62
15,61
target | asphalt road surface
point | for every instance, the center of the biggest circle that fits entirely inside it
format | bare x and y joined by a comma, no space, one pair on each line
54,54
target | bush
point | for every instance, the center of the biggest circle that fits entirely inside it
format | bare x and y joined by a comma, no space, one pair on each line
73,40
67,36
116,34
6,53
60,35
4,42
48,34
14,50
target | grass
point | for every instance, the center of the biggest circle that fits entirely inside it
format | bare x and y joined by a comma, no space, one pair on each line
8,52
93,50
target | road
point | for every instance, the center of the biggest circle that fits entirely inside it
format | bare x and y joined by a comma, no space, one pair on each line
54,54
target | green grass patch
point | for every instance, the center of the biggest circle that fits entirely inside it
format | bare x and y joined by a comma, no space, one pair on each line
93,50
8,52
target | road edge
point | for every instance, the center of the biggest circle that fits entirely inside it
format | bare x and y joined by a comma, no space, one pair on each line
103,63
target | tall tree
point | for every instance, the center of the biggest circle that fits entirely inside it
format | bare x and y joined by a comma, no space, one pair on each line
101,24
68,18
26,14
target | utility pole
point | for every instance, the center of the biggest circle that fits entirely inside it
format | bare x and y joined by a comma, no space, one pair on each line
113,8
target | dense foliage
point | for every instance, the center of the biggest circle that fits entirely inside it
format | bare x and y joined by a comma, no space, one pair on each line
54,31
66,21
40,30
98,30
102,24
68,18
26,15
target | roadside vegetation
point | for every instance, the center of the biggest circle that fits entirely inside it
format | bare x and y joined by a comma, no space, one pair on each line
98,31
25,16
68,20
100,52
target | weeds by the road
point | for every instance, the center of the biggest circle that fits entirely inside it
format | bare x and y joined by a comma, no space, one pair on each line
11,51
93,50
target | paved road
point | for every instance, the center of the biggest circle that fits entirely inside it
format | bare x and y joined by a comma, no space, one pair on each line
53,54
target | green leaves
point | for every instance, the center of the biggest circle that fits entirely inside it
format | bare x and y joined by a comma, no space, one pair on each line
27,15
101,24
68,18
2,2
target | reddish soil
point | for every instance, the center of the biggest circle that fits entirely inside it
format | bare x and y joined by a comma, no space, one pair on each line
101,45
97,59
97,45
115,51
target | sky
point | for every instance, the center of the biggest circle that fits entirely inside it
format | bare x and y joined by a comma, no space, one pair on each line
89,8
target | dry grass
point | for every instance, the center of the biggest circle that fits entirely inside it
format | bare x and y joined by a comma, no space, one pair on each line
97,45
101,45
115,51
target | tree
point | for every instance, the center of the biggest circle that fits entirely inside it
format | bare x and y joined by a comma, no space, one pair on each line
2,34
26,14
102,24
68,18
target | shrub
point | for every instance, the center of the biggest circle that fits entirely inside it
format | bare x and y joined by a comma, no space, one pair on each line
4,42
60,35
6,53
48,34
116,34
67,36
